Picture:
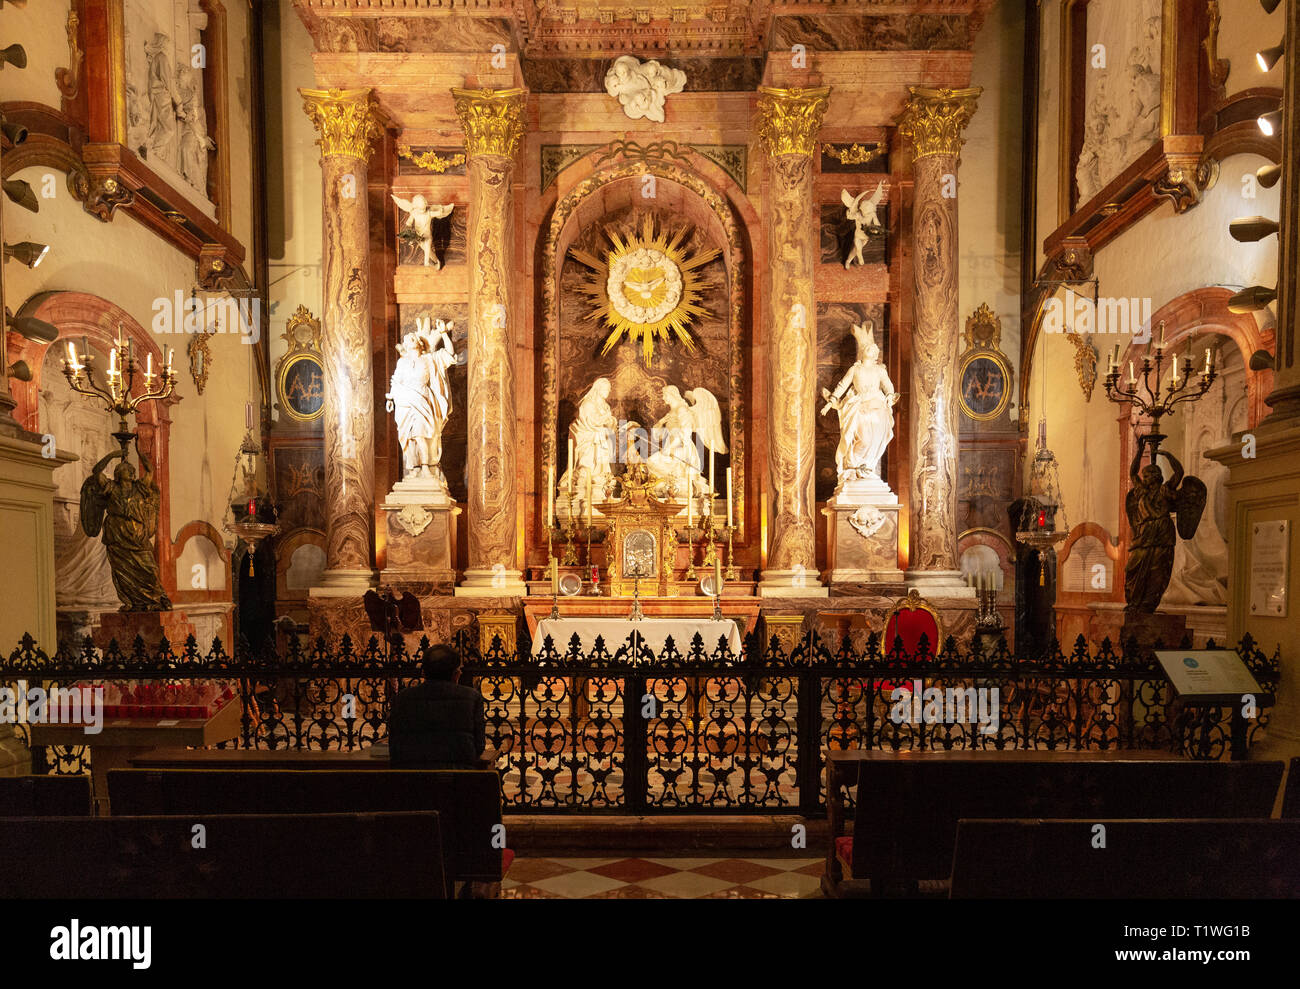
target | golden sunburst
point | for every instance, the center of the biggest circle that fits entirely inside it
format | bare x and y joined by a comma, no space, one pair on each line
646,287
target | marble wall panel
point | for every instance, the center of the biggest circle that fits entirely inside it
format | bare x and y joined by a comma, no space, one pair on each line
446,33
836,353
866,32
300,486
837,236
636,390
448,239
585,75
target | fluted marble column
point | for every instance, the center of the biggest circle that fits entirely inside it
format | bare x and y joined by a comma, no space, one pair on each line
494,127
788,121
933,120
347,122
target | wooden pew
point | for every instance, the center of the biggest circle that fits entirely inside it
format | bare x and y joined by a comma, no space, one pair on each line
468,800
45,796
1291,798
909,803
1185,859
254,855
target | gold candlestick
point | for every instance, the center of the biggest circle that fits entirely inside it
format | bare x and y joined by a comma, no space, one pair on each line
732,572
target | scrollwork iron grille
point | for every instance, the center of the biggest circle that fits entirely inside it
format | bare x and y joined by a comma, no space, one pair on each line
632,731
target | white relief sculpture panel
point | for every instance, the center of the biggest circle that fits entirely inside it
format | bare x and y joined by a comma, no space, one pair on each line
166,114
1201,563
1121,85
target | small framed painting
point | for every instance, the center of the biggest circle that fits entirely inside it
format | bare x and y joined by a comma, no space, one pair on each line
985,379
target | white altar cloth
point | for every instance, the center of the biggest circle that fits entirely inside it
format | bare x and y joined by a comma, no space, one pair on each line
653,632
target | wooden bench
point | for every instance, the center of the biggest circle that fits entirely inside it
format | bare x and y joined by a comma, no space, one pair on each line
909,803
1291,798
45,796
1184,859
245,856
468,800
372,757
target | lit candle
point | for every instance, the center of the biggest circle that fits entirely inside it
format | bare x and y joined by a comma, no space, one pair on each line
589,499
730,524
169,360
555,577
717,575
112,363
1207,361
572,469
1162,334
72,355
690,512
712,489
1174,377
1114,357
1132,378
148,373
550,497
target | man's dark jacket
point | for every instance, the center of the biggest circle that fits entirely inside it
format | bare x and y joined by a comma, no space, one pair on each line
436,725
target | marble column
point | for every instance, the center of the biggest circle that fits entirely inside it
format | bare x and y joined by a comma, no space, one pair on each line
347,122
494,128
788,122
933,120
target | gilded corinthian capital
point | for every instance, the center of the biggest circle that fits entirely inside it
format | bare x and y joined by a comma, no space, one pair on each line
346,120
933,119
789,119
492,119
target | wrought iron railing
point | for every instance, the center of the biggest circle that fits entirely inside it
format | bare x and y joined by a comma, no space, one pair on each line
634,731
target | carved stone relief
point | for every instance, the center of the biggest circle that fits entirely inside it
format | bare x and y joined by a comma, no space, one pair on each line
1121,80
166,116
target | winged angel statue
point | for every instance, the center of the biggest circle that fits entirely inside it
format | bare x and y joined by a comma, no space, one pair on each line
678,438
420,217
1148,505
862,211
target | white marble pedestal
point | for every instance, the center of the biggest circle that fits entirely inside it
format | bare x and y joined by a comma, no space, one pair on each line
421,525
862,533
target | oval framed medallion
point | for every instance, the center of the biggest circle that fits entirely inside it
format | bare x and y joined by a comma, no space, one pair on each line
301,385
984,385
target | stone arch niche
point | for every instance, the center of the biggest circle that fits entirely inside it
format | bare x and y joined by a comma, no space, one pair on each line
613,197
1235,402
47,404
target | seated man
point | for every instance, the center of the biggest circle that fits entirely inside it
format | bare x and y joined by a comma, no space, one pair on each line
439,723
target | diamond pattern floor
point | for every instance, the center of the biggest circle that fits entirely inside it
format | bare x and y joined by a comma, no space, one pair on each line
664,878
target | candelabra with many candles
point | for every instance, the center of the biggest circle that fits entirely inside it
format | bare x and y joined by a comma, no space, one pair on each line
1153,394
117,390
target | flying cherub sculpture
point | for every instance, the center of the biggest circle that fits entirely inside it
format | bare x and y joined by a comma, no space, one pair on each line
420,219
862,211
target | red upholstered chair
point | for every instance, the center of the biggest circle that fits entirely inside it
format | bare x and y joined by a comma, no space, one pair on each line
910,618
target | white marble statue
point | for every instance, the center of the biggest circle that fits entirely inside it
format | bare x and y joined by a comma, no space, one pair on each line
592,433
678,438
420,397
862,211
420,217
642,87
864,399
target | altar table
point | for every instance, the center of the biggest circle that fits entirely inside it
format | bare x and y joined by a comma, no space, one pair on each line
653,632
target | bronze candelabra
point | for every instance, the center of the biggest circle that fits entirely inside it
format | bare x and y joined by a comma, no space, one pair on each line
1162,393
117,392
